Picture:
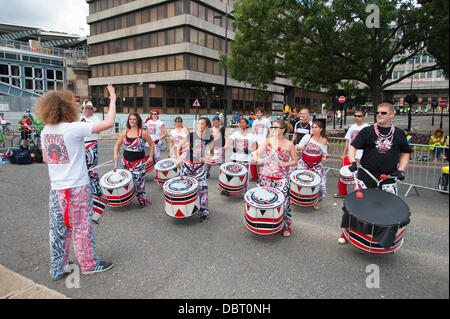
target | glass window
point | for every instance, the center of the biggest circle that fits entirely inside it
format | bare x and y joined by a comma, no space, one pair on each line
15,70
39,85
170,9
178,35
131,20
171,63
154,65
194,8
201,65
424,58
153,40
124,68
50,74
139,66
170,36
210,15
117,69
145,16
209,66
429,75
138,16
38,73
28,72
161,64
210,41
145,66
178,7
131,70
201,38
193,36
153,14
161,38
130,44
28,84
179,62
162,12
50,85
201,12
145,41
193,61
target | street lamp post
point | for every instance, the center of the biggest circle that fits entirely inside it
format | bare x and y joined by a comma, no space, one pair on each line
225,108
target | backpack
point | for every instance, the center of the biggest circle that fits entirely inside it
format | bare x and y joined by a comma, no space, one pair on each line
37,154
21,156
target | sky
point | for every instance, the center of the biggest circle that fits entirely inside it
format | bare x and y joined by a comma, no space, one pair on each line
50,15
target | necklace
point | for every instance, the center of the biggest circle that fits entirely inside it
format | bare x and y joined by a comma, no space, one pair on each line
384,142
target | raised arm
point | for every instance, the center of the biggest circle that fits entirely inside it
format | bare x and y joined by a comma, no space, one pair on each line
110,118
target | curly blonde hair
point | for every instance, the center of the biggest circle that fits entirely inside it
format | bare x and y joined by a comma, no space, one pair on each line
56,107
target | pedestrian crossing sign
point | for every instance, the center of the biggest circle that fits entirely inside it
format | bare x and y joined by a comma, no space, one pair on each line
196,103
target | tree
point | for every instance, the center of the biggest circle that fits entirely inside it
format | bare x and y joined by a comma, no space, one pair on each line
320,43
437,42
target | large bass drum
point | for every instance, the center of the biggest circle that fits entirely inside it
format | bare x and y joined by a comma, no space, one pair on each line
376,222
118,187
263,211
181,197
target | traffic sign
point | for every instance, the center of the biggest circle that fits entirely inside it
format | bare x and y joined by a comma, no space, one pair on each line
196,103
442,103
341,99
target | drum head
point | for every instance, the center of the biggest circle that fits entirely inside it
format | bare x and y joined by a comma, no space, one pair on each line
305,178
234,169
116,178
377,207
264,197
166,165
345,171
180,185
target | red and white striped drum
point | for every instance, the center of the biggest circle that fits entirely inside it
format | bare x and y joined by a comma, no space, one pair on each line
118,187
263,211
305,187
232,178
98,207
165,170
346,176
181,196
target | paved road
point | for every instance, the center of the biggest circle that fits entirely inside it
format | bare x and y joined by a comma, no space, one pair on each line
158,257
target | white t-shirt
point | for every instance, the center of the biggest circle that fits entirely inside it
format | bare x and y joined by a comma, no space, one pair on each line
261,127
64,146
312,147
353,130
154,128
243,146
94,118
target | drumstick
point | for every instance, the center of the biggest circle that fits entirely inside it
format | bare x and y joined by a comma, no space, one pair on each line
101,165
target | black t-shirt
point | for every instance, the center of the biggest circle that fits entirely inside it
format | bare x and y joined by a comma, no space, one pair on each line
381,156
302,129
197,145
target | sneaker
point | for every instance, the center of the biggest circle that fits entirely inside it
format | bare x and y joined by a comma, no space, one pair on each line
342,240
103,266
339,196
204,218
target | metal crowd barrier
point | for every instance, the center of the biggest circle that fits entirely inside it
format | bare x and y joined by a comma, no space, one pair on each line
426,168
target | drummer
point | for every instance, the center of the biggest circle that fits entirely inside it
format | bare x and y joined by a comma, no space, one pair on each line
218,133
133,140
176,136
91,147
193,164
386,150
242,143
70,200
157,131
275,172
352,132
315,154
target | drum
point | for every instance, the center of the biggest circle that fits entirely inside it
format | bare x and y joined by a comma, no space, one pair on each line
263,211
345,176
232,178
305,187
375,223
213,160
118,187
149,167
165,170
98,207
181,197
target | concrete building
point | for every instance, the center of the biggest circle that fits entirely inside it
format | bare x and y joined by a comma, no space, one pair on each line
164,55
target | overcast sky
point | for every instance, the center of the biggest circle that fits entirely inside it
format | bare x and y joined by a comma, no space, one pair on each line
50,15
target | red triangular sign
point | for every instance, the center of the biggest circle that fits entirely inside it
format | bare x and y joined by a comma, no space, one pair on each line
164,173
196,103
179,214
242,177
126,187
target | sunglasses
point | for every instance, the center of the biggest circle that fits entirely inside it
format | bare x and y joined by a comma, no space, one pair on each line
277,127
178,121
383,113
359,115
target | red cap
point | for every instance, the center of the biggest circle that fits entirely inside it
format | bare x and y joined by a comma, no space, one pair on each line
155,111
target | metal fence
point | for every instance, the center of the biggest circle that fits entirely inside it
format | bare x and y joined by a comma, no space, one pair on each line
425,169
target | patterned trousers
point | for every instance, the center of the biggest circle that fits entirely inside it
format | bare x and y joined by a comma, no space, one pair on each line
137,169
283,185
92,161
198,171
71,217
